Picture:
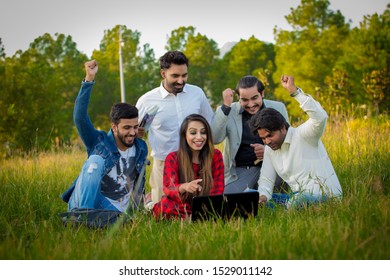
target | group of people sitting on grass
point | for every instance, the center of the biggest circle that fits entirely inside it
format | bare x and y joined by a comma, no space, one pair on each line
261,151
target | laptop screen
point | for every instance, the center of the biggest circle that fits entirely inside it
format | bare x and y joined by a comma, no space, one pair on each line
225,206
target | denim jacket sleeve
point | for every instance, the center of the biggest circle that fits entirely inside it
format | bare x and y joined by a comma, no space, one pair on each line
83,124
85,128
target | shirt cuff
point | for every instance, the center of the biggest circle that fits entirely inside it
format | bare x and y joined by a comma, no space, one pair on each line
300,96
267,195
89,82
296,92
225,109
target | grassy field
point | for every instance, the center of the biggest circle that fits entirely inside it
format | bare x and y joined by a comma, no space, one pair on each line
356,228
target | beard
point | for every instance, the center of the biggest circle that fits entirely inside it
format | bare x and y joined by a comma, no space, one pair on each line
122,139
253,109
173,87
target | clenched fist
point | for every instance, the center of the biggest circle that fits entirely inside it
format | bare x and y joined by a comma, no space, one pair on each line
91,68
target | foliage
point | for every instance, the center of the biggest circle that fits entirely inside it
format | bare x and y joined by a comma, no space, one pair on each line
247,57
376,85
310,51
140,72
179,38
38,89
366,59
336,95
201,52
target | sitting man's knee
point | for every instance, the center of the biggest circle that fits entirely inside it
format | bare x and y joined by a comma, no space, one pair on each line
93,163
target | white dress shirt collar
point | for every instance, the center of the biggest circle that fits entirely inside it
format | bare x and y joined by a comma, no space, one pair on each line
165,93
289,135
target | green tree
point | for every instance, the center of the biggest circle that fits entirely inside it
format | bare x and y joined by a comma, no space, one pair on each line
202,53
376,85
2,68
336,96
139,66
247,57
2,99
366,58
218,81
179,38
39,89
309,52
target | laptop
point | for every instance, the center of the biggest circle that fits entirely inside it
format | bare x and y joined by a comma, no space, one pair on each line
225,206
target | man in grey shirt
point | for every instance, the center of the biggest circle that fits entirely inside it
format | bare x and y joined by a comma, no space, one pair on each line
243,151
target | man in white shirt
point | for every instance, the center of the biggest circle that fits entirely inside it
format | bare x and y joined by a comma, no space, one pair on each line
297,155
175,100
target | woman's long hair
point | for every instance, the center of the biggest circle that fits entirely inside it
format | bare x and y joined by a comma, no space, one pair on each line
184,155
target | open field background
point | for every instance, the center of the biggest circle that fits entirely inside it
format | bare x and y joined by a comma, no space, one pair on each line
356,228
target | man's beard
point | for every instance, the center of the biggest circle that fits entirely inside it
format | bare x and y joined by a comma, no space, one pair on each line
122,139
174,89
256,107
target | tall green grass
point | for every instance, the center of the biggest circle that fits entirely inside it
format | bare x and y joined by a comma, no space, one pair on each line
356,228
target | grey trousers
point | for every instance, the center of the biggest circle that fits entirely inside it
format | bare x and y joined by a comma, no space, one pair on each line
248,178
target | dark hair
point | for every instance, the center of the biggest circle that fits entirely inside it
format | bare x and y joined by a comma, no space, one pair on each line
248,82
123,111
184,155
174,57
269,119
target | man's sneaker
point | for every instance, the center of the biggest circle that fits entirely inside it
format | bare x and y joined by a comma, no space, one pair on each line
148,203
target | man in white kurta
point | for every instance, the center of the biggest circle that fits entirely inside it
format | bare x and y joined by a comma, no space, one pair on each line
297,155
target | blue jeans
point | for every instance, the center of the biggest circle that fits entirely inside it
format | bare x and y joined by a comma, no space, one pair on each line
87,190
295,200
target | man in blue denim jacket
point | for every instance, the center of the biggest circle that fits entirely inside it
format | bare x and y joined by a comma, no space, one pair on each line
115,159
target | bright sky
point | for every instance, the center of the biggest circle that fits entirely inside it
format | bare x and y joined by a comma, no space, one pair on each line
21,21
